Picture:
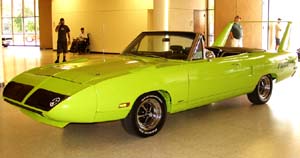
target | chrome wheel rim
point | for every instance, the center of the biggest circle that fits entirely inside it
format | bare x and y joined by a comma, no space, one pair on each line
149,114
264,87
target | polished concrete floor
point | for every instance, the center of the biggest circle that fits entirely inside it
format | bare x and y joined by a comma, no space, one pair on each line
229,129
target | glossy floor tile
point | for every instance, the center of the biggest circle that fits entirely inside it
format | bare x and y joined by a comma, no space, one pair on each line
229,129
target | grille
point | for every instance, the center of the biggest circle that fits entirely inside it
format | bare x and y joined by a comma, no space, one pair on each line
44,99
16,91
23,107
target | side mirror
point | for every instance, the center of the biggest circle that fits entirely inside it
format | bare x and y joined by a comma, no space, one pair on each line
209,55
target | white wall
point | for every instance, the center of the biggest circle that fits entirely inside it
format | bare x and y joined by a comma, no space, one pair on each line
112,24
181,14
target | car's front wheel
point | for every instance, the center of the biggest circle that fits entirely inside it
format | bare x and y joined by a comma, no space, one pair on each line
262,92
147,115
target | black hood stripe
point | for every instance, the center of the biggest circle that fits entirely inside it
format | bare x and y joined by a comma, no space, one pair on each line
44,99
16,91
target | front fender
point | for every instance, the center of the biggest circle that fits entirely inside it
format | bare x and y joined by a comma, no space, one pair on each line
80,107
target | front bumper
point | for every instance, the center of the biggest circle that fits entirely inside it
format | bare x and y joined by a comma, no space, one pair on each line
51,100
44,120
38,115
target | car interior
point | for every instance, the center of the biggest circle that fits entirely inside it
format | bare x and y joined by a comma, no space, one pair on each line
229,51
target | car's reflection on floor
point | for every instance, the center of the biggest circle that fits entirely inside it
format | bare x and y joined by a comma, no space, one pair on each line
284,104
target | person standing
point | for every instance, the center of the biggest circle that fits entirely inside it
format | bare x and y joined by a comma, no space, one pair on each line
277,33
236,33
62,41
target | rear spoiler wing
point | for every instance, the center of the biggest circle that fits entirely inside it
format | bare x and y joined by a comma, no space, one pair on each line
285,41
223,36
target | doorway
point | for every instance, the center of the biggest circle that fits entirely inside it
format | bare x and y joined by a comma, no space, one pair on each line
200,21
204,22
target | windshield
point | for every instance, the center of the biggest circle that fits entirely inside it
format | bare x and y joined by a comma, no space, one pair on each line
170,45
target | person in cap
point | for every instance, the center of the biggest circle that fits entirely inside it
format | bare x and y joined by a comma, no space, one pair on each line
277,33
63,32
236,33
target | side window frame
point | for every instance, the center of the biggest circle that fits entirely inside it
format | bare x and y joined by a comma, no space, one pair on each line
198,48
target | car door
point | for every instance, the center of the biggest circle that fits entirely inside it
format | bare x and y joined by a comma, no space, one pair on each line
216,79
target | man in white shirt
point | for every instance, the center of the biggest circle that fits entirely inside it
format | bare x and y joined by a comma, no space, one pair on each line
277,33
82,36
82,39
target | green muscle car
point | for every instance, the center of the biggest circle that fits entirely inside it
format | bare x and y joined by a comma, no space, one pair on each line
158,73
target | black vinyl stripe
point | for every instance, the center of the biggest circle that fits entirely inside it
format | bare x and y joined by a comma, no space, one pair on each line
16,91
44,99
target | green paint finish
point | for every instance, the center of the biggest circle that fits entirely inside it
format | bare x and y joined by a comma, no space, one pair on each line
284,44
96,88
222,38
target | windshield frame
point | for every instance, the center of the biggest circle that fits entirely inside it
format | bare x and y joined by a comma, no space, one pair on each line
191,35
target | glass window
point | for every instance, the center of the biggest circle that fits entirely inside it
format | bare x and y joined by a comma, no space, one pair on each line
211,4
198,54
29,25
37,13
18,39
28,8
6,26
37,25
6,8
18,25
20,21
162,44
17,8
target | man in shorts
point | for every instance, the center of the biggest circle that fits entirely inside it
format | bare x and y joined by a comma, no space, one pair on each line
277,33
62,42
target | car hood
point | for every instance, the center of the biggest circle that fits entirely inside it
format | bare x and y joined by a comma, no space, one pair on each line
87,70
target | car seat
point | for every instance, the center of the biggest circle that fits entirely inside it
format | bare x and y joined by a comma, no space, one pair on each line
176,49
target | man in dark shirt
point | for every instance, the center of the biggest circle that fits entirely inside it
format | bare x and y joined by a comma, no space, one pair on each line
62,42
236,33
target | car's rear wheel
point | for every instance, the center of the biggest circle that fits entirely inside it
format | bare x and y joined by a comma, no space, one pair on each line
147,116
262,92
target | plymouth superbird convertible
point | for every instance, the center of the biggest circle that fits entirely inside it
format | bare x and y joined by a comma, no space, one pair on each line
158,73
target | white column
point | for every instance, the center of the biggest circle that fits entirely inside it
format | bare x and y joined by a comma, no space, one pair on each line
161,15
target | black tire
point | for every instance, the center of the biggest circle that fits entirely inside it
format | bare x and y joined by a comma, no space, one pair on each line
262,91
147,115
